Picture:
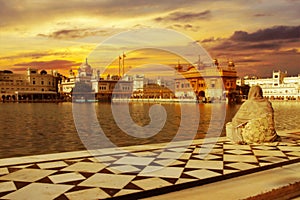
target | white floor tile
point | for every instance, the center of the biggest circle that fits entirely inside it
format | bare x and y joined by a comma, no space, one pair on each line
3,170
123,169
23,166
229,171
182,150
206,164
166,172
240,158
185,180
296,153
85,167
126,191
174,155
185,156
207,157
264,147
7,186
134,160
289,148
241,166
273,159
169,162
27,175
62,178
102,159
202,173
151,183
236,146
107,181
38,191
237,151
205,152
49,165
144,154
93,193
268,153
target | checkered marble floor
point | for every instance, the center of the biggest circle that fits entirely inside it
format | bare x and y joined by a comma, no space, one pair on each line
139,171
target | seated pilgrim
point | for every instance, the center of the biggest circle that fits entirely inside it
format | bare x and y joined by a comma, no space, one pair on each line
254,121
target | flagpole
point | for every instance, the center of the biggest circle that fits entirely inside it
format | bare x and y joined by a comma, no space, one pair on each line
120,66
123,62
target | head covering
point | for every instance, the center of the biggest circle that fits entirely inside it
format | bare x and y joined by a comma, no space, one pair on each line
258,115
254,107
255,93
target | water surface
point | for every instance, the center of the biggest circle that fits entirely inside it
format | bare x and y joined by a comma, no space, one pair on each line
39,128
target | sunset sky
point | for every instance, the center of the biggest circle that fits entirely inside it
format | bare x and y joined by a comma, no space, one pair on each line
259,35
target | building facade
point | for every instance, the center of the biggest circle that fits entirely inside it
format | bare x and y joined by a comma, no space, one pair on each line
279,86
66,85
208,83
111,87
33,85
89,85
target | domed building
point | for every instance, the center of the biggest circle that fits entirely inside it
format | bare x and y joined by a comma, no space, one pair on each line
85,69
29,87
209,83
85,72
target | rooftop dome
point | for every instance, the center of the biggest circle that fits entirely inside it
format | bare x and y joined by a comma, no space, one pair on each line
191,68
85,67
43,72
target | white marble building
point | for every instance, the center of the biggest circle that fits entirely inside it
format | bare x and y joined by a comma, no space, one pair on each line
279,86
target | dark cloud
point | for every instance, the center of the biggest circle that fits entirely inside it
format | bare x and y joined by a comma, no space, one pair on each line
52,64
247,60
211,39
187,27
191,27
138,26
260,62
260,52
177,25
289,52
272,38
226,45
74,33
265,45
274,33
184,16
261,15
